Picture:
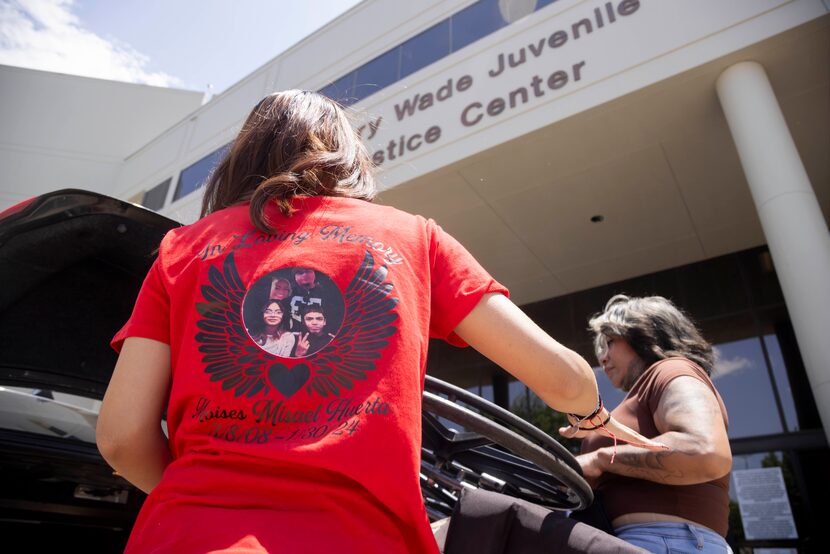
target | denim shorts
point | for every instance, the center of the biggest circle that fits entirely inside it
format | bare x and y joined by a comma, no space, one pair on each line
673,538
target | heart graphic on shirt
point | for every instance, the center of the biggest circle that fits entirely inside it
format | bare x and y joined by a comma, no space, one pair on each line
288,381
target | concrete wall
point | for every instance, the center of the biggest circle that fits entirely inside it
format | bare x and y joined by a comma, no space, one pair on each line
59,131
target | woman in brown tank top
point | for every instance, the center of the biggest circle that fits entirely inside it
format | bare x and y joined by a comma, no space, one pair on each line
672,500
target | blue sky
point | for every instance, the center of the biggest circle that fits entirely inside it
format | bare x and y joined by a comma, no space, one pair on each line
179,43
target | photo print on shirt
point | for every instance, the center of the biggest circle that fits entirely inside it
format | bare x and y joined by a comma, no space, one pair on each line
233,357
293,312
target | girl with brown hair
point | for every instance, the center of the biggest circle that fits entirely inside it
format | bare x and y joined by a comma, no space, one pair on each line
319,453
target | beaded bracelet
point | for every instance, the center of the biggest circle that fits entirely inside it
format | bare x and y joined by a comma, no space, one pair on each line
595,427
590,416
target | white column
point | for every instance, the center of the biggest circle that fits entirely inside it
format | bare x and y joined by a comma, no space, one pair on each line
793,224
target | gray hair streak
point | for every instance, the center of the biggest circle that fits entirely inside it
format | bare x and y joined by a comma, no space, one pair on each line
654,327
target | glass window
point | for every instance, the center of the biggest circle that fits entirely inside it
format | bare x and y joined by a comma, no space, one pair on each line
474,22
341,90
525,404
742,380
516,389
425,48
542,3
155,197
760,277
196,175
377,74
457,31
714,287
782,382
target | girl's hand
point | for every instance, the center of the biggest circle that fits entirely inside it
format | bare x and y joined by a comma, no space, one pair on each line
607,426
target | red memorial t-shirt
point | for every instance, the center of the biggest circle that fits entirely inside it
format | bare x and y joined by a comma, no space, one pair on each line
298,360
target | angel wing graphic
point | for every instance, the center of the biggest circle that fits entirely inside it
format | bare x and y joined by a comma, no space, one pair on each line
366,326
232,359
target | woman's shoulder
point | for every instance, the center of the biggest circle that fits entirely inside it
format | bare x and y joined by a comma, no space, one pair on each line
666,370
677,363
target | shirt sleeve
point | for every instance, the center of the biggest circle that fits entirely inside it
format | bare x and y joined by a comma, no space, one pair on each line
669,370
151,315
457,283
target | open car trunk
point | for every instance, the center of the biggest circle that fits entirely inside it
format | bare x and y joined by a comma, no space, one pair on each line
71,265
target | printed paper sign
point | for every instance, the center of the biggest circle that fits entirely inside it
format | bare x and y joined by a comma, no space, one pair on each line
765,507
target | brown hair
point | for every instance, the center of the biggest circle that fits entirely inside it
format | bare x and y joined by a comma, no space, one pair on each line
654,327
292,143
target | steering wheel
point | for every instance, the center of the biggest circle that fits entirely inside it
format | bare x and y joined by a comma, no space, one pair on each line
496,451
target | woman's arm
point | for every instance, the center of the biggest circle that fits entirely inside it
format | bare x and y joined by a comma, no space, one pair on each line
559,376
689,419
129,433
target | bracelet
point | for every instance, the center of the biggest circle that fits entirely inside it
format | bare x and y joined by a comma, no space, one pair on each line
590,416
595,427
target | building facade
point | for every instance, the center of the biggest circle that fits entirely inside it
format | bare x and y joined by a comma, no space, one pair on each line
583,148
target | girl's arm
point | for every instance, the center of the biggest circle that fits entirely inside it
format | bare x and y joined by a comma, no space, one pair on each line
129,433
559,376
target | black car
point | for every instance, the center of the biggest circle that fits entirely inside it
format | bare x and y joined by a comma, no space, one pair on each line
71,265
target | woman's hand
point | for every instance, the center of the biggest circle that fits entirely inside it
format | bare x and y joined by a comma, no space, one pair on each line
591,468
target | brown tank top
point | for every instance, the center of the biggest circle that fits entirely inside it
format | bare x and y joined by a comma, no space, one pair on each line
705,503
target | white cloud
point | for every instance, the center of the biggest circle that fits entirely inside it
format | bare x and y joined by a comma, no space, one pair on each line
726,366
46,35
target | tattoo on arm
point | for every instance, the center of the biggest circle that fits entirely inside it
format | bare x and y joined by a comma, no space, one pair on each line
648,465
687,417
688,406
